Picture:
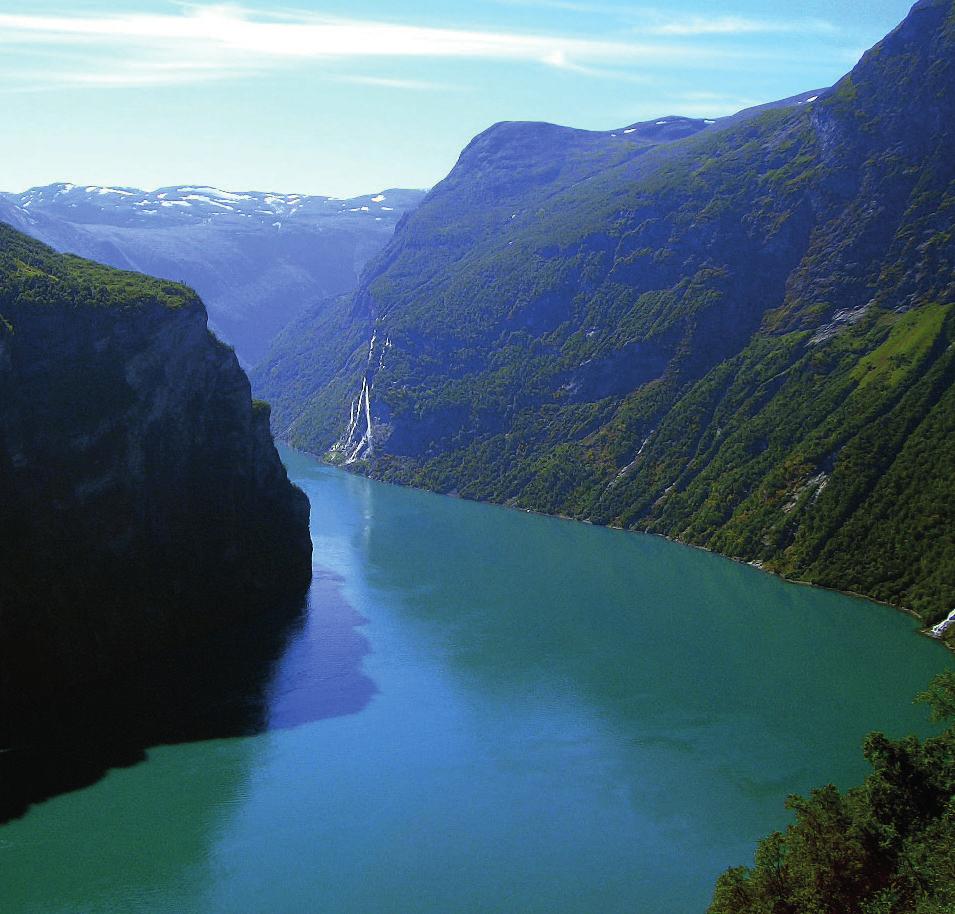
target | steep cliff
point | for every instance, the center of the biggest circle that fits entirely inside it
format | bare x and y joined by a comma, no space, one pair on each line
143,499
737,333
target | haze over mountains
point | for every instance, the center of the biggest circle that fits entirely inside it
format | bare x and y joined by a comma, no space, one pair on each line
736,333
257,259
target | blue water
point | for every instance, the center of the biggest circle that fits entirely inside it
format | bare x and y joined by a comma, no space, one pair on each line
487,711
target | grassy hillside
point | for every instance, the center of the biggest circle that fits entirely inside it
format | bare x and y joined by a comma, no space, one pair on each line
33,274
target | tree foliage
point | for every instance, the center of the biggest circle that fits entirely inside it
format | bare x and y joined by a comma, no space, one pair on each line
885,847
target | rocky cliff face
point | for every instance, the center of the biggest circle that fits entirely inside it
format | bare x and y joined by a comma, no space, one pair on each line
143,499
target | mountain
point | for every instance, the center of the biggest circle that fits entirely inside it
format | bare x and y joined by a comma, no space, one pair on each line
144,502
257,259
736,333
320,356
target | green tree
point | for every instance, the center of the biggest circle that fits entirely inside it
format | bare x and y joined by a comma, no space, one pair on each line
885,847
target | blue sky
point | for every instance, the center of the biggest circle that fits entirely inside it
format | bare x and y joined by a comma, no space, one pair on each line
344,97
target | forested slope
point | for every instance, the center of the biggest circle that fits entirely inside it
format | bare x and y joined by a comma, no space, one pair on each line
734,333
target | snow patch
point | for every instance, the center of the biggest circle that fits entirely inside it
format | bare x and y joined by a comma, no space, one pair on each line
223,194
378,199
203,199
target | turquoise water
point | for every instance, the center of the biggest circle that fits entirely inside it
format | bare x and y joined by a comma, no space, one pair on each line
483,711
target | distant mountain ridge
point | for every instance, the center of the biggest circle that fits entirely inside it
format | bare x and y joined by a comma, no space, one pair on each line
95,204
738,334
258,259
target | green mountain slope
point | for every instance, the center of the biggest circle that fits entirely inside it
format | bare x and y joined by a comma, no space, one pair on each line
737,334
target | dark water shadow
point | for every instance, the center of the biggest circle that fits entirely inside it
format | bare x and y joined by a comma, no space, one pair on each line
298,663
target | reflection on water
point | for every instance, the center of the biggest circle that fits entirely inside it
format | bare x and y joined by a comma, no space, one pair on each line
299,663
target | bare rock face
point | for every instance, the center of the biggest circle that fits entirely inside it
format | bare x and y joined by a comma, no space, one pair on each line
143,499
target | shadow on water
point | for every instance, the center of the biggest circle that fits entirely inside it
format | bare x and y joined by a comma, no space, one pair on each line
299,663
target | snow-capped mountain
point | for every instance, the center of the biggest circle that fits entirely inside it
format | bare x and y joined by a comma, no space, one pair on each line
131,206
256,258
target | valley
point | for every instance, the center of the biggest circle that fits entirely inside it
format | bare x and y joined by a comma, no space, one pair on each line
736,333
257,259
443,550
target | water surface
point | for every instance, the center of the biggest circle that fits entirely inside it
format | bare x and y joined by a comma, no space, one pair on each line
483,710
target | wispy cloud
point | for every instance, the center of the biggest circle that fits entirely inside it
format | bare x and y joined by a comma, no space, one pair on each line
203,42
572,6
711,104
387,82
738,25
654,21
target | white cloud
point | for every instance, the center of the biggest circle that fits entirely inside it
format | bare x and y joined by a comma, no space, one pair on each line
654,21
200,42
737,25
387,82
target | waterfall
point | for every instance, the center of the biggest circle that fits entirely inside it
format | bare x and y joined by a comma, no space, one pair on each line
939,630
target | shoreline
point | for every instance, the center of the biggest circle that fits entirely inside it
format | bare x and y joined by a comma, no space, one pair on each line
925,632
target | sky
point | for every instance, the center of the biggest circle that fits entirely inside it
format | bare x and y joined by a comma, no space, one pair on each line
345,97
